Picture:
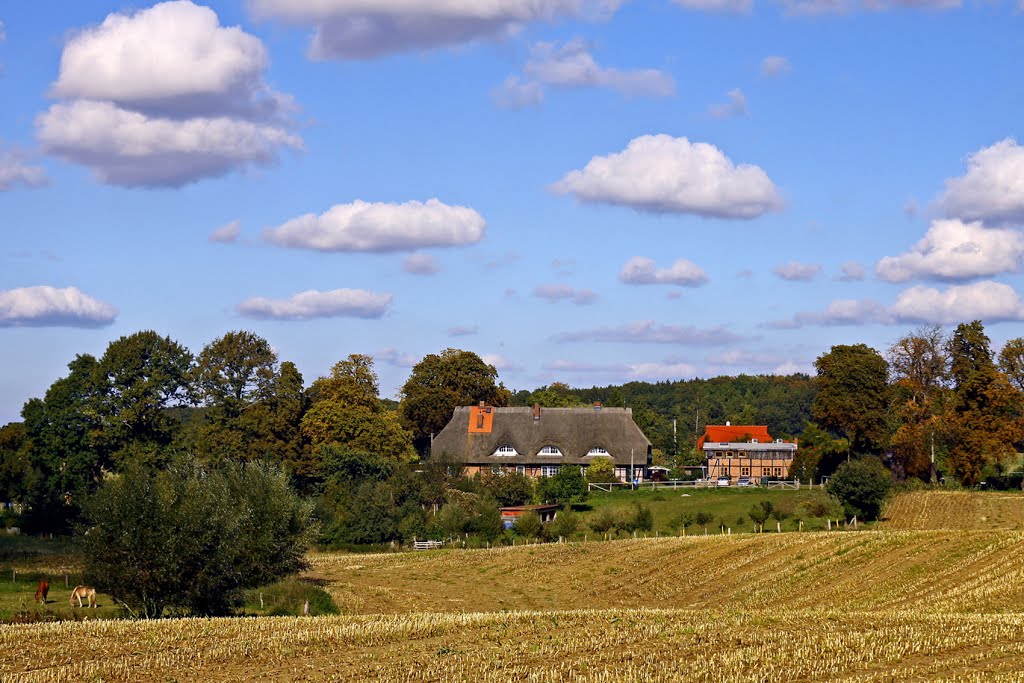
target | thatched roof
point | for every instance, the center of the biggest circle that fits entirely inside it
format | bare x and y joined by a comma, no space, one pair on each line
573,431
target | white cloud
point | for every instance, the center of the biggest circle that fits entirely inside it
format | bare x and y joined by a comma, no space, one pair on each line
988,301
364,29
420,264
953,250
462,330
649,332
662,174
554,292
851,271
171,59
130,149
794,271
165,97
992,190
640,270
744,359
348,303
393,356
500,363
366,226
819,7
14,171
227,233
730,6
574,366
736,106
3,32
572,66
44,306
669,370
775,65
516,94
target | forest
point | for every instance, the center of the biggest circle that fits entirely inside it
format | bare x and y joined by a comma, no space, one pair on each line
934,407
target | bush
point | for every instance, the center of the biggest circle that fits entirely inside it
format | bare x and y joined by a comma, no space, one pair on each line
567,486
601,471
565,525
702,519
193,540
862,486
528,524
681,521
604,521
510,488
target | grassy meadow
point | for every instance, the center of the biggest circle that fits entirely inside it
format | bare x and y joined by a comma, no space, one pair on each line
910,599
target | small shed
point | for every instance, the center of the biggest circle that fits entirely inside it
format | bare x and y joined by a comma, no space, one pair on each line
658,473
509,514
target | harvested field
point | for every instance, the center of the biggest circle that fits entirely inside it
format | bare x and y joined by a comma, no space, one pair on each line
927,510
956,571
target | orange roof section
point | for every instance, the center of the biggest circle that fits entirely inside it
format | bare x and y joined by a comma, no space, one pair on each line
481,419
734,433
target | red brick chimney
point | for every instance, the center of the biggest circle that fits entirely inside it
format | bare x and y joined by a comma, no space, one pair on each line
536,411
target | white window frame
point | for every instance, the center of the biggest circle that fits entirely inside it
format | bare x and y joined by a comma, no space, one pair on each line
548,470
546,452
505,451
597,450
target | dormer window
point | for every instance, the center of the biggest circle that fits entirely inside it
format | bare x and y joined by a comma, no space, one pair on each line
506,451
597,450
551,451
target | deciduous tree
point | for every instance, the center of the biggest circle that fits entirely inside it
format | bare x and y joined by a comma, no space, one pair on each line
853,395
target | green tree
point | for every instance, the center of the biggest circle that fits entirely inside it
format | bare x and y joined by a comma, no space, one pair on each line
760,512
565,524
862,486
510,488
555,395
528,524
567,486
703,518
139,377
487,522
853,395
192,540
643,518
601,471
15,467
681,520
235,371
441,382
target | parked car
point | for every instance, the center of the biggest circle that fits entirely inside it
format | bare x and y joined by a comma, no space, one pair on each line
724,481
744,481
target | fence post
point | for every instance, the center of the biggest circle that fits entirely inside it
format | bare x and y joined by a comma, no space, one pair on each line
305,609
261,600
778,527
830,525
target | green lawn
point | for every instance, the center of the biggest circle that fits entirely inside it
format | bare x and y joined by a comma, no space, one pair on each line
726,505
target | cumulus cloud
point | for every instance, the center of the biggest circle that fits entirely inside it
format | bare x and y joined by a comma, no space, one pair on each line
988,301
393,356
15,171
851,271
420,264
500,363
164,97
640,270
736,106
729,6
227,233
365,29
555,292
992,190
517,94
337,303
45,306
953,250
794,271
662,174
656,370
380,227
572,66
649,332
462,330
575,366
744,359
775,65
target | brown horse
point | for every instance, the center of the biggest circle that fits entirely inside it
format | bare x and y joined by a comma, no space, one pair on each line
42,590
87,592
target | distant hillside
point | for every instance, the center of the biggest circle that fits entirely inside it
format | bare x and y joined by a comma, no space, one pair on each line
927,571
925,510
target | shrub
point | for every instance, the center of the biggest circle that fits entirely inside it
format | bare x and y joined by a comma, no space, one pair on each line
603,521
565,525
601,471
528,524
862,486
567,486
191,539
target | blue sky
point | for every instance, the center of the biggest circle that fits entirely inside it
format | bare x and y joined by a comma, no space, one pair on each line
579,191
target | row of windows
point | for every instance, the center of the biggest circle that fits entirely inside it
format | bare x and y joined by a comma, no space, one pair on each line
551,451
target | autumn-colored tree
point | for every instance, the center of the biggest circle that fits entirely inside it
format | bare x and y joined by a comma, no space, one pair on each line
986,418
347,412
1011,362
920,372
853,390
